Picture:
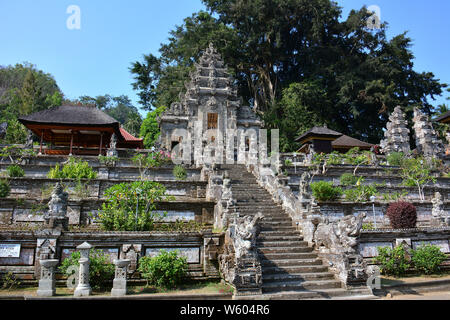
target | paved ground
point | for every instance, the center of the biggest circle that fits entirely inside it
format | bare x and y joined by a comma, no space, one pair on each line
425,296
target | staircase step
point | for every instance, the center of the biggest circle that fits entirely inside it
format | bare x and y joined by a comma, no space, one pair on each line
264,238
287,232
283,263
294,269
280,244
288,256
297,249
298,277
300,285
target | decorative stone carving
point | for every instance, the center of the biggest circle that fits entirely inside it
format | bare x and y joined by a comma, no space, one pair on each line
56,218
47,281
340,236
240,264
427,141
438,212
338,243
120,278
397,134
211,247
131,252
83,288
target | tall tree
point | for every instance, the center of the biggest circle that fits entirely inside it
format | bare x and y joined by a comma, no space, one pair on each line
358,75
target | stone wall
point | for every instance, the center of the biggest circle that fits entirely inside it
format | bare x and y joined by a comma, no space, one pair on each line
370,240
200,248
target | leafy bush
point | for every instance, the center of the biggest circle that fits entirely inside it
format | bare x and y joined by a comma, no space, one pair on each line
179,172
395,158
15,171
360,193
118,212
393,261
9,281
75,169
416,173
101,270
107,161
325,191
5,189
402,215
428,258
287,163
347,179
166,270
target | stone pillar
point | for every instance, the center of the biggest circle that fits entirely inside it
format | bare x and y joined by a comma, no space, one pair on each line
83,288
120,279
47,281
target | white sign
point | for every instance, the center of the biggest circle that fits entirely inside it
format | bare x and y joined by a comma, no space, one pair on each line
9,250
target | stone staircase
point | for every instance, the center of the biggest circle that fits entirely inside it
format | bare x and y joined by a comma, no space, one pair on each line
290,268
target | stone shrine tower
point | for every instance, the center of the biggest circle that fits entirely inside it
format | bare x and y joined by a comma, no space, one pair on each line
210,113
397,134
427,141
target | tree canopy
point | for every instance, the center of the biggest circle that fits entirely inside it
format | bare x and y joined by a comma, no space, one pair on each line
297,63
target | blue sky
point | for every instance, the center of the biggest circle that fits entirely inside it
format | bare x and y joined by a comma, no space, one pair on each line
94,60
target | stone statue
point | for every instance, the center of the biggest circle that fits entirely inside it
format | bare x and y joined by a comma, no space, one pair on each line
340,236
112,151
3,129
58,202
239,264
438,211
246,232
29,141
340,241
56,218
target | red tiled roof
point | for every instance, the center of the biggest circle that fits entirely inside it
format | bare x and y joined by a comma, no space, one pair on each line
128,136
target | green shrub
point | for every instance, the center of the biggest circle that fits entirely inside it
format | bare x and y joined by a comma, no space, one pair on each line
179,172
118,212
108,161
361,193
287,163
348,179
395,158
5,189
393,261
325,191
15,171
75,169
427,259
165,270
101,270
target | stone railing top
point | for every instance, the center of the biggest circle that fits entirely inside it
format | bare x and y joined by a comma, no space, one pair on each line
413,230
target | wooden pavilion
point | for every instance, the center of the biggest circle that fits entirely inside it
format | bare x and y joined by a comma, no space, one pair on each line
78,130
324,140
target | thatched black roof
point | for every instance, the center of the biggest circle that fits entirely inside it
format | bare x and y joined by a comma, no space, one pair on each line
320,132
346,141
71,115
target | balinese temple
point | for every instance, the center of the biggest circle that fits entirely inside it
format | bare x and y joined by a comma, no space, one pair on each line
78,130
209,109
324,140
